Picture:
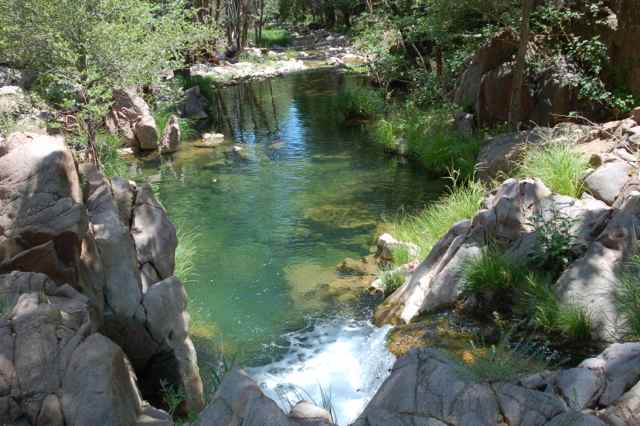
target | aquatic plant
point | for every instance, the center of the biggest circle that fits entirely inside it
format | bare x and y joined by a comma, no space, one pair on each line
558,166
186,252
427,227
628,298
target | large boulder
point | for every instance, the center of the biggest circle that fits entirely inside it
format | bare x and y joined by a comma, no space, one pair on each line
131,117
428,387
608,180
508,216
194,105
48,346
240,401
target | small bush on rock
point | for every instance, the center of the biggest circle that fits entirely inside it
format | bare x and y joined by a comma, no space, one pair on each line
392,281
574,323
558,166
555,243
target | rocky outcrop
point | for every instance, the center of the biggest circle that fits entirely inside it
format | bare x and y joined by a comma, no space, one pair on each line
49,343
112,245
240,401
508,216
131,118
427,387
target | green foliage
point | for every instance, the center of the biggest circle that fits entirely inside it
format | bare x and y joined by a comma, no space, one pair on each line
186,252
401,256
107,146
558,166
187,129
359,102
427,227
274,37
574,323
391,281
493,277
628,298
430,140
85,49
540,303
555,242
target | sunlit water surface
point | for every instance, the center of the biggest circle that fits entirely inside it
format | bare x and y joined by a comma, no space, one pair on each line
271,227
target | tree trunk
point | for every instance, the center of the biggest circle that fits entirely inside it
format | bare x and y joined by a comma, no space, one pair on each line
515,109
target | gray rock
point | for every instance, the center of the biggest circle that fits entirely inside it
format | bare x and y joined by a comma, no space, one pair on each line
146,133
240,401
194,105
581,387
170,141
13,101
464,123
626,410
307,411
132,116
526,407
576,418
501,154
606,182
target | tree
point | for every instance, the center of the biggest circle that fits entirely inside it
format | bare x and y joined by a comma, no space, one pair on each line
515,110
96,46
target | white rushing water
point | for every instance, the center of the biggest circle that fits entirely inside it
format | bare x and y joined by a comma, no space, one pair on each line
344,358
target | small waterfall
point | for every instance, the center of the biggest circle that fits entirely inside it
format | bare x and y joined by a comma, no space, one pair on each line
346,359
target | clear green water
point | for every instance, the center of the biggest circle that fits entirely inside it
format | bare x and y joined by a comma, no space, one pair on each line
272,227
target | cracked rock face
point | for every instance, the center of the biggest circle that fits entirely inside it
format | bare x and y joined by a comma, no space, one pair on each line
111,246
48,346
428,388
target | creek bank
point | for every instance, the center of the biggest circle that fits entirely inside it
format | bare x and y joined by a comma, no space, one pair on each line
87,278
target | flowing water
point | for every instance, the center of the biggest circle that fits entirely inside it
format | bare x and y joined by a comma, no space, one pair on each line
272,222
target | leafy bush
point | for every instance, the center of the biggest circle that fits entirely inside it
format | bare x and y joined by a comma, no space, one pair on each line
628,298
555,243
427,227
360,102
493,279
558,166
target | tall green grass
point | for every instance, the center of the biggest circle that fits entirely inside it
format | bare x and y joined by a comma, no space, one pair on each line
558,166
628,298
431,139
186,253
274,37
427,227
359,102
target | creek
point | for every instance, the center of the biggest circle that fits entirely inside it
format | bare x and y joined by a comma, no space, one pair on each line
269,226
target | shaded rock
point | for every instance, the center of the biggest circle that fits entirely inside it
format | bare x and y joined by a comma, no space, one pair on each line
132,117
464,123
626,410
194,105
170,141
146,133
576,418
501,154
606,182
526,407
240,401
580,387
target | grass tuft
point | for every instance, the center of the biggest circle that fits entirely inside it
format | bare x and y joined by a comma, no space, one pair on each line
558,166
628,298
427,227
391,281
186,253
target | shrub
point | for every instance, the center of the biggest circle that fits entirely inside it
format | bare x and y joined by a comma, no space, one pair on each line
493,279
427,227
555,242
628,298
558,166
384,134
401,256
359,102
